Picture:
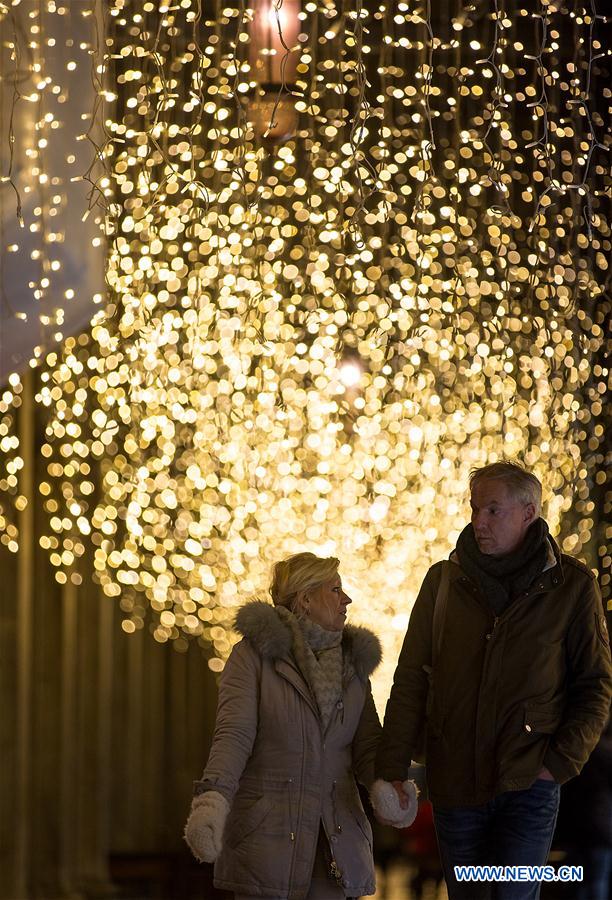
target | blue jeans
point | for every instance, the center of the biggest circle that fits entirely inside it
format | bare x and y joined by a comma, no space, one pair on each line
597,865
514,829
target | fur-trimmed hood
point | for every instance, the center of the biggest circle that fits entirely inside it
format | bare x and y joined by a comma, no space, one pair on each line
260,623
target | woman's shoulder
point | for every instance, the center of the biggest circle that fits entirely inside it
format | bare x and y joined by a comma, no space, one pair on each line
266,632
260,624
364,648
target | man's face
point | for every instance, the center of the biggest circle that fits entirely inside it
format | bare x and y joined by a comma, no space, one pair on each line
500,520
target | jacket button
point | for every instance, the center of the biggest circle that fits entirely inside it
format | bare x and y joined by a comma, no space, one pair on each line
333,838
527,727
489,636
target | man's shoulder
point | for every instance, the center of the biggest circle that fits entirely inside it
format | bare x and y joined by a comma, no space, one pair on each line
453,561
434,573
447,568
577,564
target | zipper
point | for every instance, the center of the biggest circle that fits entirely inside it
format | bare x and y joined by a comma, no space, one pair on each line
293,834
291,816
492,632
338,826
488,652
334,870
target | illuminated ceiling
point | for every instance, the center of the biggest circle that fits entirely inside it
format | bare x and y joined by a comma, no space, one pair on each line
317,324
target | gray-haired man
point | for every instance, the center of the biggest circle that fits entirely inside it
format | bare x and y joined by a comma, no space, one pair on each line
519,692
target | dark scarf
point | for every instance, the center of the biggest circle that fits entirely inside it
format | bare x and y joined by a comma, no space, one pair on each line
502,578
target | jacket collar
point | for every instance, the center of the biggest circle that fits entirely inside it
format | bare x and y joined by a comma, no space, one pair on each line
553,561
552,555
260,623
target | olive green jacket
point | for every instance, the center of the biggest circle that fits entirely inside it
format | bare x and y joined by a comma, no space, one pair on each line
509,695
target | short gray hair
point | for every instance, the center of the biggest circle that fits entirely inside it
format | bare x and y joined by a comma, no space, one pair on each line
522,484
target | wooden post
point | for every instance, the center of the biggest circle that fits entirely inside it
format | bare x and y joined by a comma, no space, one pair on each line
68,740
23,679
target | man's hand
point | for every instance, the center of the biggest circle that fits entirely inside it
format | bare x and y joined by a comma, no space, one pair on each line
545,775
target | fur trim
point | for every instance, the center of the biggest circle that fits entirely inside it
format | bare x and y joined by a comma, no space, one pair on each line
385,801
204,828
364,648
260,623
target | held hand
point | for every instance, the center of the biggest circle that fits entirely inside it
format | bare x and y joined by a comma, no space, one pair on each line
545,775
394,803
402,796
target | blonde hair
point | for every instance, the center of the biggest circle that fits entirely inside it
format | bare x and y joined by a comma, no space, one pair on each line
521,484
300,573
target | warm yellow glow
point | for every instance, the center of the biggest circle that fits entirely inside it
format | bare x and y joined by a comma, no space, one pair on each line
427,223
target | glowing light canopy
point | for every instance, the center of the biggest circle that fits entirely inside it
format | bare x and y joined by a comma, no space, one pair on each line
313,334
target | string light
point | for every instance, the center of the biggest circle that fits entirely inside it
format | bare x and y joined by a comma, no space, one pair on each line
350,373
413,215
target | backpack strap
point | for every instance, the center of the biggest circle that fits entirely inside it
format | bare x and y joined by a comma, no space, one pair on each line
439,613
437,629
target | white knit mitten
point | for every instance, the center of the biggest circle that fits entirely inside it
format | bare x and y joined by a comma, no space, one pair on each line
204,828
385,801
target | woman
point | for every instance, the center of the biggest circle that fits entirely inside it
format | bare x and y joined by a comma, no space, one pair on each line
278,806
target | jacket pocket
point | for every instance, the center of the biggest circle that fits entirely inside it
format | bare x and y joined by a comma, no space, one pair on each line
362,822
245,818
541,719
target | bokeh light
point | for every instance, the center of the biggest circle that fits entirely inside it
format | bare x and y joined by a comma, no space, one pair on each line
428,217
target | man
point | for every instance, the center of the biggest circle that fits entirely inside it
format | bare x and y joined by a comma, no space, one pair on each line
519,692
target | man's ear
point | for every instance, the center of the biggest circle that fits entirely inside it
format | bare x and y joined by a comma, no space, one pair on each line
529,513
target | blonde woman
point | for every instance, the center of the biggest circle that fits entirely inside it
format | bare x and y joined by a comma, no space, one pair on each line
278,808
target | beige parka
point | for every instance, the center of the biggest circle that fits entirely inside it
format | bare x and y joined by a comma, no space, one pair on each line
281,775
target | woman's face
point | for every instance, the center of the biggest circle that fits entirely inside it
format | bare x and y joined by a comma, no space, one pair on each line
327,605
